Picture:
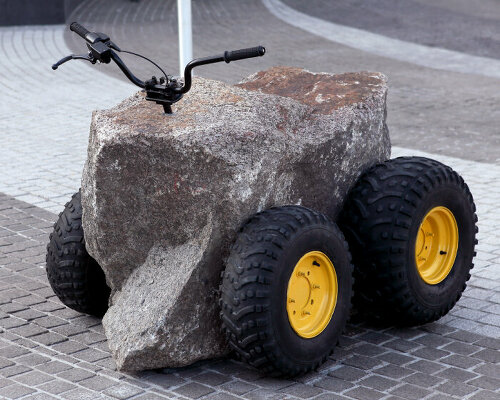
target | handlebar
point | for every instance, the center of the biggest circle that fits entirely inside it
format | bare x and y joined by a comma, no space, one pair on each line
251,52
79,29
167,91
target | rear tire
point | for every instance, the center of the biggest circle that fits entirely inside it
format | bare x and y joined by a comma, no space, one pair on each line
411,224
274,261
74,275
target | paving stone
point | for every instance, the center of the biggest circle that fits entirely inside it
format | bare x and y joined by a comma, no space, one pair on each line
57,386
89,338
5,382
40,396
69,347
460,361
362,362
49,338
5,362
98,383
13,351
193,390
333,384
488,370
32,359
412,392
379,382
464,336
491,343
12,322
402,345
70,330
14,370
393,371
211,378
164,380
50,322
440,396
433,340
16,391
423,380
33,378
81,394
456,374
396,358
54,367
363,393
28,330
75,375
430,353
302,391
455,388
238,387
484,395
29,314
264,394
348,373
369,350
330,396
90,355
151,396
123,391
486,382
488,355
461,348
375,337
221,396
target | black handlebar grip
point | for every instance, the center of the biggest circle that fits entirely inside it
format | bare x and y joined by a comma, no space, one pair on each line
79,30
244,53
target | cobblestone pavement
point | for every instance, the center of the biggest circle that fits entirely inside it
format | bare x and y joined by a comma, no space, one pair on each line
45,115
50,352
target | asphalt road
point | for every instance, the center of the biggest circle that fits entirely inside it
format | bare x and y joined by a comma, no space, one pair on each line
431,23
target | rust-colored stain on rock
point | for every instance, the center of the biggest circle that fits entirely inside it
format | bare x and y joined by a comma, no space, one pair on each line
323,92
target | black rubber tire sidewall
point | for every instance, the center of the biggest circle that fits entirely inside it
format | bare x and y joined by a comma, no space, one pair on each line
437,296
311,350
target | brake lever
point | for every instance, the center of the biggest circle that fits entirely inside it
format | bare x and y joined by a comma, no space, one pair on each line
73,57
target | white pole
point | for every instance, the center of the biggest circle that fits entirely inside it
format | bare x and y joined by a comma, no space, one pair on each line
185,33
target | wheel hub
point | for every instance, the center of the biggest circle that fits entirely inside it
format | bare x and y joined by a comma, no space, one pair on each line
312,294
436,245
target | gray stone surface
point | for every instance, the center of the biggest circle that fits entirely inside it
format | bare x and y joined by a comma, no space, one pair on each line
160,225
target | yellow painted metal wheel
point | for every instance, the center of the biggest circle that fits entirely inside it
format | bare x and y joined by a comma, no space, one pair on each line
436,245
312,294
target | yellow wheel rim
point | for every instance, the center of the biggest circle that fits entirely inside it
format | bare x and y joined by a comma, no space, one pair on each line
436,246
312,294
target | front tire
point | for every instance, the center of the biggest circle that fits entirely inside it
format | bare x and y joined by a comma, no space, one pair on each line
73,274
286,291
411,225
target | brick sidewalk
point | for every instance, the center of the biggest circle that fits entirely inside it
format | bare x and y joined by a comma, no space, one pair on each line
50,352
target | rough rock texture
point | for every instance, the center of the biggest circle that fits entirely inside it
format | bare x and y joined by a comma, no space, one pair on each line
164,195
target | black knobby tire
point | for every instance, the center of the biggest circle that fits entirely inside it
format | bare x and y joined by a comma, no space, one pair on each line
381,219
254,289
74,275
